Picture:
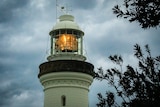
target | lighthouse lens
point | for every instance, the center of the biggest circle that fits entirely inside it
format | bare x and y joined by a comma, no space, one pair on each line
66,43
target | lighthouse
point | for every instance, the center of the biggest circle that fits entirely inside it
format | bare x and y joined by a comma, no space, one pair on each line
66,76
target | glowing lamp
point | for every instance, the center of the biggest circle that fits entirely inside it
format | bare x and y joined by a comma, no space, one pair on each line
66,43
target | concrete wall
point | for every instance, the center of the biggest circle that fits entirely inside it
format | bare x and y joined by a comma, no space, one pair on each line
73,85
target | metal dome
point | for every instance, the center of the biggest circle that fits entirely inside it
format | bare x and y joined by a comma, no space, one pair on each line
66,22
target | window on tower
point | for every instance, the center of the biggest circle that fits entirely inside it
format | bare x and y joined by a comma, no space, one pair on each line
63,100
66,43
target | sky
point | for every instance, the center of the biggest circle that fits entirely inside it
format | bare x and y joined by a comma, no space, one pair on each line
24,44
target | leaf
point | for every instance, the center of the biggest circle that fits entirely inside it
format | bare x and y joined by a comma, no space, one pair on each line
147,48
116,72
110,73
138,51
158,58
132,71
141,66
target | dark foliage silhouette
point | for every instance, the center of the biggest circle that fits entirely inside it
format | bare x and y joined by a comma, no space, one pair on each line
145,12
137,87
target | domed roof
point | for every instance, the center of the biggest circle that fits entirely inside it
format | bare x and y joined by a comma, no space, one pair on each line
66,22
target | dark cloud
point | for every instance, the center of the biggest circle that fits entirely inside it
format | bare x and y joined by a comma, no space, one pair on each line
19,54
17,95
82,4
16,79
18,75
9,7
7,91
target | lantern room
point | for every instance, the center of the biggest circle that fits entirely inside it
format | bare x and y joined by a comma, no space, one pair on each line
66,40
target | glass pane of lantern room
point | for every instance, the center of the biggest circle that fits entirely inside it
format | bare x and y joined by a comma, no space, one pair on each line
62,31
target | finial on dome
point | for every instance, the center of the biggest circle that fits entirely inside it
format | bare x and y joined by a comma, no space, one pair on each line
63,9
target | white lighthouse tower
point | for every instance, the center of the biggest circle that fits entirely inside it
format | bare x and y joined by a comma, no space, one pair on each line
66,76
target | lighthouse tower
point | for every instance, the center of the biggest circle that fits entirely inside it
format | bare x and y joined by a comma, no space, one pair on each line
66,76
